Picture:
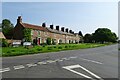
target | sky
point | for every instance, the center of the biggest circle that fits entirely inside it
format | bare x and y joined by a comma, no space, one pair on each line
78,16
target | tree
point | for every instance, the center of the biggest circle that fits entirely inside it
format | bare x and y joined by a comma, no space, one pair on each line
104,35
87,38
7,28
80,33
27,34
4,43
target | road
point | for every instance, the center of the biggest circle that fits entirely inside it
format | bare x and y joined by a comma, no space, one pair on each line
101,63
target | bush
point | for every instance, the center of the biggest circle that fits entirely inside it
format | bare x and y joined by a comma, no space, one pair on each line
49,41
39,49
60,47
54,46
43,44
4,43
66,46
49,48
53,42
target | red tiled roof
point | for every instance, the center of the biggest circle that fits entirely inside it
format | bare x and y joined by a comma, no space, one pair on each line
36,27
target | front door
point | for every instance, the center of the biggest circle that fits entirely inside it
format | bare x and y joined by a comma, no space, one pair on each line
38,41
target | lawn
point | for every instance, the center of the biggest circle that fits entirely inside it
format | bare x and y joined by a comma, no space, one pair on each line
16,51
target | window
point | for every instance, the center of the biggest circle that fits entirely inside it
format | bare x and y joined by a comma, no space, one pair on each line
38,32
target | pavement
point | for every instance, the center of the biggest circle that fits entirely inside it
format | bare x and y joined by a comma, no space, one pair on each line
94,64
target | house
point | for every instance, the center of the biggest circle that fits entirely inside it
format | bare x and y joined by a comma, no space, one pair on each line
39,34
1,34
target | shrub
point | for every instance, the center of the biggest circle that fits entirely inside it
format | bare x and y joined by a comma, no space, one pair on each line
54,46
43,44
53,42
8,51
49,41
60,47
66,46
4,43
49,48
39,49
13,50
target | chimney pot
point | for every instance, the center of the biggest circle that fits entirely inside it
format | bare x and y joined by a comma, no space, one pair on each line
51,26
70,31
62,29
43,25
57,28
67,30
19,19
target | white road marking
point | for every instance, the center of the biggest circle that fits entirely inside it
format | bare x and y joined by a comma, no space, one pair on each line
91,72
60,60
57,60
4,70
18,67
78,66
42,63
73,57
66,58
74,66
91,61
31,65
50,61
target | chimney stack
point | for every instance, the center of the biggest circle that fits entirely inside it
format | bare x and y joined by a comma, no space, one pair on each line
62,29
19,19
66,30
57,28
70,31
43,25
51,26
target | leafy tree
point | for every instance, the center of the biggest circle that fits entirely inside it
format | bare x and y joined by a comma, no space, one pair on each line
104,35
80,33
87,38
27,34
7,28
4,43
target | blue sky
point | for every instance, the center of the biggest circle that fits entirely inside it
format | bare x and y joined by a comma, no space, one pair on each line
78,16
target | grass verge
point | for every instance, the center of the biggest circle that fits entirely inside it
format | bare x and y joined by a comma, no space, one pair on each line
16,51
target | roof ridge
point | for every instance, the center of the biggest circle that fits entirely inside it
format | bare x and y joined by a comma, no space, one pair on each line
32,26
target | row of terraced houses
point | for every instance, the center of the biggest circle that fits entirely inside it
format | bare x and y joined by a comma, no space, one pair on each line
41,33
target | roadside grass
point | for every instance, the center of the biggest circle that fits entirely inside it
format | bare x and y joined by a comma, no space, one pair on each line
16,51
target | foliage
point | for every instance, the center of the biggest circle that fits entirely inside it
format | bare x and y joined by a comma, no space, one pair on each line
27,34
48,41
104,35
4,43
7,28
80,33
88,38
53,42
